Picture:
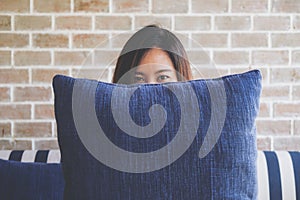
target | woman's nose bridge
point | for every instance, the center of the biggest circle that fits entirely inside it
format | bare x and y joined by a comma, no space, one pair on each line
151,79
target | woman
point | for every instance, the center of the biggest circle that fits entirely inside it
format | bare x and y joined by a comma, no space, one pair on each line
152,55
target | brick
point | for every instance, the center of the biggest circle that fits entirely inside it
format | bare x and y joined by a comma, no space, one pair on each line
272,57
231,57
54,130
105,58
287,110
263,144
15,111
91,6
210,40
249,6
264,110
285,6
185,40
32,93
275,92
169,6
286,40
296,92
5,58
296,57
52,6
43,111
113,22
271,23
119,40
239,70
5,23
183,23
46,75
70,58
32,129
129,6
285,75
50,40
4,94
162,21
297,127
198,57
206,72
102,74
287,143
32,22
203,6
89,40
8,76
232,23
95,74
73,23
15,144
14,40
249,40
296,22
5,129
46,144
14,6
273,127
27,58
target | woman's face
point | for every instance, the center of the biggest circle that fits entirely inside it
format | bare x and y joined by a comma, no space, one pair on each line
155,67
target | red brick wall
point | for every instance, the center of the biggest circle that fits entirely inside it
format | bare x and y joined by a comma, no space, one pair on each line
39,39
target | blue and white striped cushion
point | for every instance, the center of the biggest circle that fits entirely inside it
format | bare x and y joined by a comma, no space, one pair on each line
44,156
278,175
278,172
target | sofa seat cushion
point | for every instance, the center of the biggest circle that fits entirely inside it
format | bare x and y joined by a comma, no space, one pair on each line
32,179
278,174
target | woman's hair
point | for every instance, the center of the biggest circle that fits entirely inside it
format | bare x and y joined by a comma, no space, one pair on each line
143,41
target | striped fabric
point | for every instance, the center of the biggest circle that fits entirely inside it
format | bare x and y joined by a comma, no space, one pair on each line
278,175
43,156
278,172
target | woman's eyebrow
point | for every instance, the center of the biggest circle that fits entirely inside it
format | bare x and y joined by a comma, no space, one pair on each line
139,73
163,70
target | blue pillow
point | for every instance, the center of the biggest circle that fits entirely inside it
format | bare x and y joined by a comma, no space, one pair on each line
19,180
183,140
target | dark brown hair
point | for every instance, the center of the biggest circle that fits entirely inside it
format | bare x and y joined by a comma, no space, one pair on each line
144,40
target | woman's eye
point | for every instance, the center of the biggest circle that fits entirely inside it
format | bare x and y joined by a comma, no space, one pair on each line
139,79
163,77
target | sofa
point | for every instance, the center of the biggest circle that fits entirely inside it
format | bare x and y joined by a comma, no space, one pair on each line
31,174
202,164
38,175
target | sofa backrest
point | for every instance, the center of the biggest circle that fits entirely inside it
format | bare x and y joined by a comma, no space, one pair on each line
42,156
278,174
39,175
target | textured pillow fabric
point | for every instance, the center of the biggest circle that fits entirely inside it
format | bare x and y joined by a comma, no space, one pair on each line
211,166
20,180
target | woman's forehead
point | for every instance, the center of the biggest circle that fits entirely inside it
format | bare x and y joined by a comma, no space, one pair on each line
156,56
